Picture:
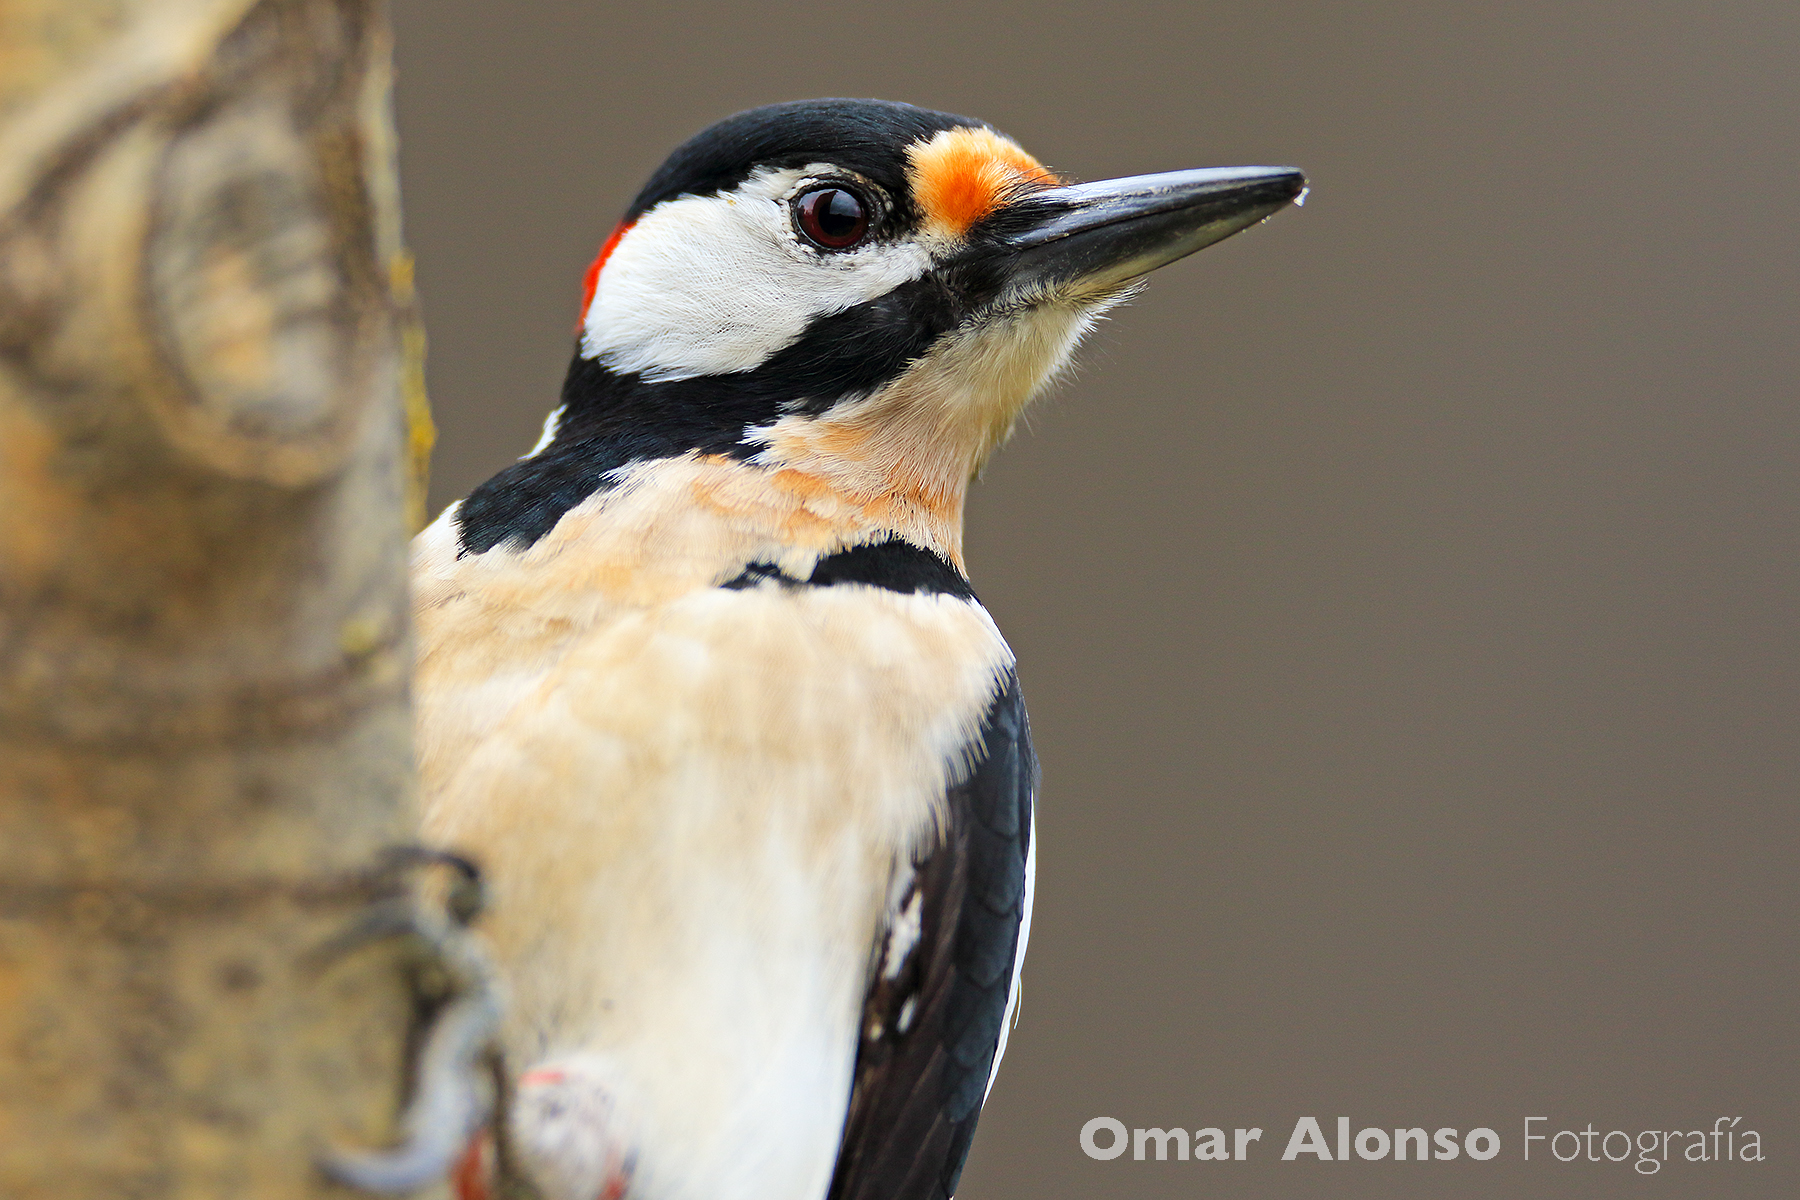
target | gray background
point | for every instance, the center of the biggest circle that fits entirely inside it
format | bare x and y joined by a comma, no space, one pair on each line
1404,590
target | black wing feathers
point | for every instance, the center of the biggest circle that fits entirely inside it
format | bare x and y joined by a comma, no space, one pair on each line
931,1027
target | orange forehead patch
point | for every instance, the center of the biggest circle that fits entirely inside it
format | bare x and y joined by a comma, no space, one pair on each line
962,175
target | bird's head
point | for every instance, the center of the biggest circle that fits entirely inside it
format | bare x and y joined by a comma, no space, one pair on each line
864,292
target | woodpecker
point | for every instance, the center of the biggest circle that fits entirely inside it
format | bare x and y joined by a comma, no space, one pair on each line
702,680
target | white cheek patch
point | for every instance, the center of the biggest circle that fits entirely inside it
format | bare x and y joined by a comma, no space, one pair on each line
712,285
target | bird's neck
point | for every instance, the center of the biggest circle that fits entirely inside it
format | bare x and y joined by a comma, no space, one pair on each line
905,453
900,461
811,473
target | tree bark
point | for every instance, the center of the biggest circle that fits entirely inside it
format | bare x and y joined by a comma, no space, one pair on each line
204,729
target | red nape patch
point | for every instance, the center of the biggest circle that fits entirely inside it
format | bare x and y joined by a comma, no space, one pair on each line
590,283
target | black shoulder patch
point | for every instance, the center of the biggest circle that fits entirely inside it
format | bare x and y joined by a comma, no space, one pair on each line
932,1019
895,565
866,136
523,502
608,421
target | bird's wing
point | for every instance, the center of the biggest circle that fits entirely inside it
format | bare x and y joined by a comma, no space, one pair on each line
942,983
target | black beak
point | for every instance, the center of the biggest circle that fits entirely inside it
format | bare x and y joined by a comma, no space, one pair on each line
1092,236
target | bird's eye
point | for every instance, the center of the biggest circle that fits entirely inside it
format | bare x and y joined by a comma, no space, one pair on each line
833,217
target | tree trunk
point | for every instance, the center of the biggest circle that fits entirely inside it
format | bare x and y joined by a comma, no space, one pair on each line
204,731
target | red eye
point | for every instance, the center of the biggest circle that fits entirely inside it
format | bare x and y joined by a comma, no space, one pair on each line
834,217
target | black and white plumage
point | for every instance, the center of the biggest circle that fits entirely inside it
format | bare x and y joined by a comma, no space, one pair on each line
703,682
948,969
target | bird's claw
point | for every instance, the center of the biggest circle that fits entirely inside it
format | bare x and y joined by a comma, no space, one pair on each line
448,1096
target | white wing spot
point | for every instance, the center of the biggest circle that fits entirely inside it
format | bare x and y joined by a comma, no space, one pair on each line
903,937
